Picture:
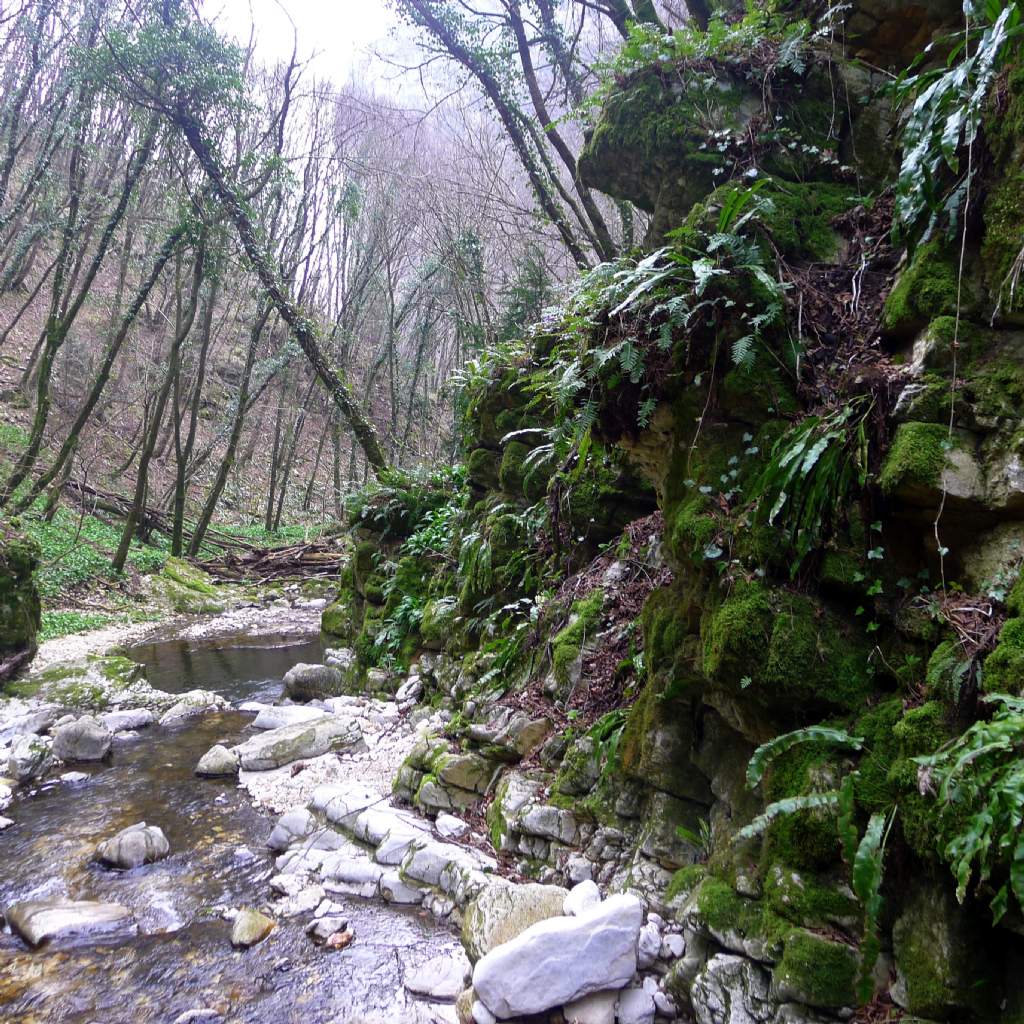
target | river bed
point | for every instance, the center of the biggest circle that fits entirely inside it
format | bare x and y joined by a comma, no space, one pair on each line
182,959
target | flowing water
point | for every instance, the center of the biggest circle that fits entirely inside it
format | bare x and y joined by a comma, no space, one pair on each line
182,958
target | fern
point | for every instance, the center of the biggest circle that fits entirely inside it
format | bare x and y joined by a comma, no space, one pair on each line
945,113
767,752
981,772
813,470
827,800
868,869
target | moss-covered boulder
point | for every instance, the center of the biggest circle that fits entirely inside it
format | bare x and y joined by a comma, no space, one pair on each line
942,969
186,589
784,650
816,971
19,602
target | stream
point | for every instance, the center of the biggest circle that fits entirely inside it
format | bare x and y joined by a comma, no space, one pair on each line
182,959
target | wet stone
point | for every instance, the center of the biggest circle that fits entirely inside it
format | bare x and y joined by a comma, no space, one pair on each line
134,846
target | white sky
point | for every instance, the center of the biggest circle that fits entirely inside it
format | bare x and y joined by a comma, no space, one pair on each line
339,34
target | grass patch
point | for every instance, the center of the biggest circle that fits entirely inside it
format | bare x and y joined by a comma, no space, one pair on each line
57,624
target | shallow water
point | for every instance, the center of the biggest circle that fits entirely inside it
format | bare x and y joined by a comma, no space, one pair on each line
183,959
239,666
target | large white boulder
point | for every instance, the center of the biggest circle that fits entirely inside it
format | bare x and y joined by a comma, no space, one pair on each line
561,960
504,910
288,714
278,747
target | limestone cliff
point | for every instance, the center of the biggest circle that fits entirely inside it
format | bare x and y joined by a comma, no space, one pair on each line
726,602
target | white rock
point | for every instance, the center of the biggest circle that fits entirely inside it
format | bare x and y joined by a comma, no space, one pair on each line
82,740
291,714
352,877
30,757
664,1005
278,747
5,823
395,890
342,803
218,761
481,1015
672,947
450,827
581,897
578,869
597,1008
195,702
649,946
562,959
71,777
291,826
121,721
37,921
443,977
6,796
636,1006
134,846
411,690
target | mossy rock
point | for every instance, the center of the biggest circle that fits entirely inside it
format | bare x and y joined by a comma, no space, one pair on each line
942,967
336,619
439,624
20,607
816,971
923,459
186,589
737,922
805,900
1003,670
780,648
483,466
519,477
927,288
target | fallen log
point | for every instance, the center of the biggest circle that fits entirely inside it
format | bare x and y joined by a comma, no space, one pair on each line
318,558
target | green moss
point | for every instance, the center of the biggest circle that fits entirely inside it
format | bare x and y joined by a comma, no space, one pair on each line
804,900
737,633
189,576
483,467
689,528
806,840
724,911
1003,671
520,479
926,289
779,647
1001,244
996,389
564,660
817,971
945,675
336,619
684,881
916,457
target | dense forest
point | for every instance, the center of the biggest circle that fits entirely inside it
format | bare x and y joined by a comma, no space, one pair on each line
566,469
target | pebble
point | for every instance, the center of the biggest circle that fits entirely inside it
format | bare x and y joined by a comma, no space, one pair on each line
74,777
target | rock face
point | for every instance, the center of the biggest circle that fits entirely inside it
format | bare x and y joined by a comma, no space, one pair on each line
83,740
134,846
291,742
561,960
37,921
313,682
249,928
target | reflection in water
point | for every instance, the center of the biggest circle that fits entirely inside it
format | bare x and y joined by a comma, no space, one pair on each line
218,860
231,665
